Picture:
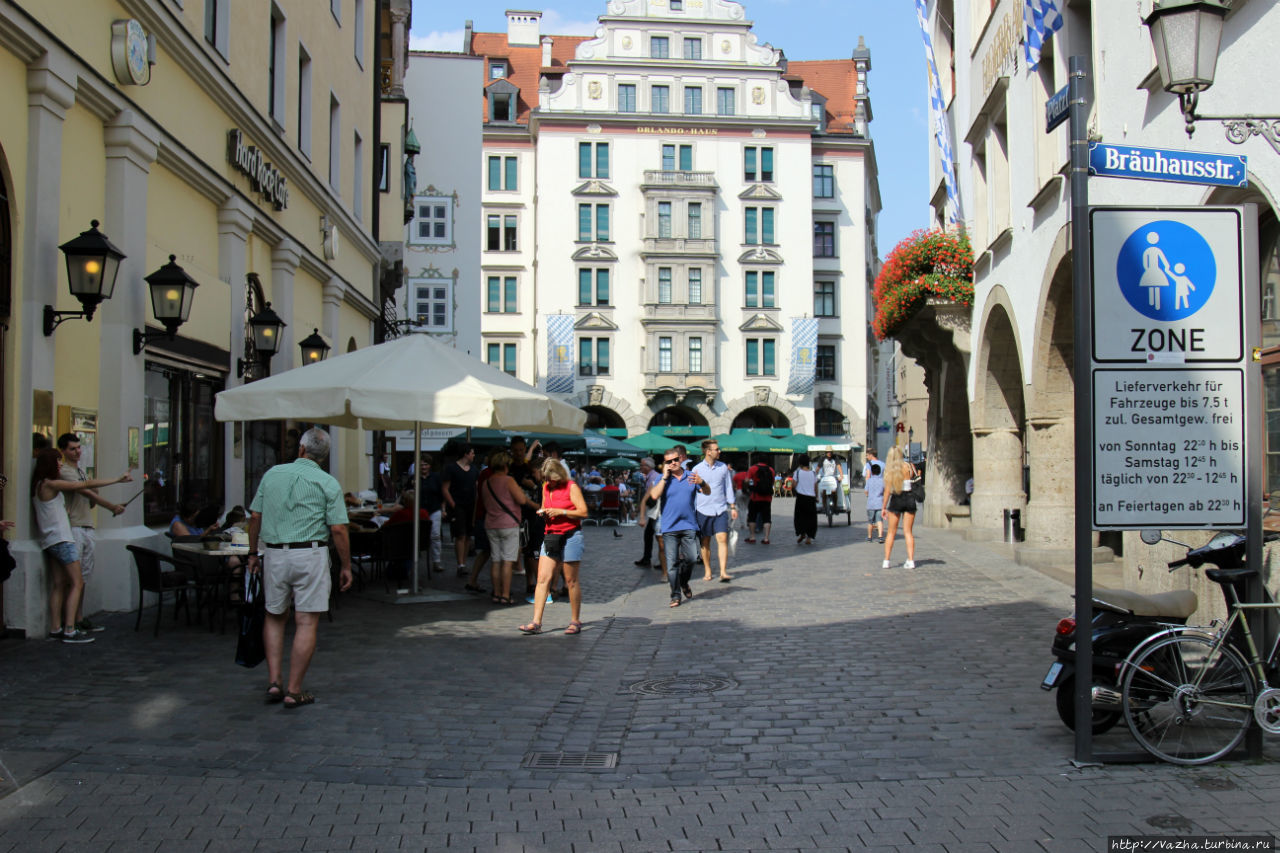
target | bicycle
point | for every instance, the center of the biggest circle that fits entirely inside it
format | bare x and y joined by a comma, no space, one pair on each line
1188,694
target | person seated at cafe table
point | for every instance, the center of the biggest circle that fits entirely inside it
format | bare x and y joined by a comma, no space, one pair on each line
404,515
194,519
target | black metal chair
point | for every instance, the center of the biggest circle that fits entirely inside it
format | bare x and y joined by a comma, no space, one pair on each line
153,578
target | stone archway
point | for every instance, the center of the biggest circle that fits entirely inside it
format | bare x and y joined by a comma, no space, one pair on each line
759,417
998,415
597,396
761,398
938,339
602,417
1050,515
841,411
677,415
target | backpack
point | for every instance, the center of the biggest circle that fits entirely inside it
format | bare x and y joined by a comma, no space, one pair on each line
875,469
762,482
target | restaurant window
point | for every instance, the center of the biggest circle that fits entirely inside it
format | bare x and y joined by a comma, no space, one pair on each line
593,356
432,305
593,287
664,354
757,164
825,369
824,299
760,290
660,99
181,443
432,222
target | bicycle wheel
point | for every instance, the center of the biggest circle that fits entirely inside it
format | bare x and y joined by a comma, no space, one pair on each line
1187,702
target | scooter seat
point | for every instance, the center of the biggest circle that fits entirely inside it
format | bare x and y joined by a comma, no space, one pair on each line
1179,604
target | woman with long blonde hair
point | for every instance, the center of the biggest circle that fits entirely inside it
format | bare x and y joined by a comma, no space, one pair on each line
899,477
563,507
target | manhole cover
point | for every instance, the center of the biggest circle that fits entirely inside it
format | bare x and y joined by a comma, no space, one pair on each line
1214,783
682,685
571,760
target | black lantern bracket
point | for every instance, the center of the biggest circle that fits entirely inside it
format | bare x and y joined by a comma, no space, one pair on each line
53,319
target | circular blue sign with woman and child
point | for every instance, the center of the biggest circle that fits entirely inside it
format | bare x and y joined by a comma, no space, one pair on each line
1166,270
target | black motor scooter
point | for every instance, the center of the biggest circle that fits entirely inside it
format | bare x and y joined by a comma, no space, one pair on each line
1122,620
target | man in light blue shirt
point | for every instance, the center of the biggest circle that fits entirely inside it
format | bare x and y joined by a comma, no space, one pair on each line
715,509
676,491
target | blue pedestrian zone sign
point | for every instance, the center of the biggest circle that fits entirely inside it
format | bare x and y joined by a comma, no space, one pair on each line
1159,164
1166,270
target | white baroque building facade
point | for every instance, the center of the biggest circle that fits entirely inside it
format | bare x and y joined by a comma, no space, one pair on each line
1000,374
684,195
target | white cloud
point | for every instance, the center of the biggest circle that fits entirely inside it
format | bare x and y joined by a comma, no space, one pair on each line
437,40
553,23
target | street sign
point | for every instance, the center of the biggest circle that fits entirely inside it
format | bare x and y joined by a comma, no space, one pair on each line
1169,446
1163,164
1167,285
1167,368
1056,109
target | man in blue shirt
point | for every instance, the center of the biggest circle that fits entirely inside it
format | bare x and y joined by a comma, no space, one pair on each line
714,509
676,490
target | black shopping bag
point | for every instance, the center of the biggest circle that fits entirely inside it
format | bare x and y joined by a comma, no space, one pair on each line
250,650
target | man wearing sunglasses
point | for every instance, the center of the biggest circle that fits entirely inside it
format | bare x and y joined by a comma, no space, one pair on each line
677,490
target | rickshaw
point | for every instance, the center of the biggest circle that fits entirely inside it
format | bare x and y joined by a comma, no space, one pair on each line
833,498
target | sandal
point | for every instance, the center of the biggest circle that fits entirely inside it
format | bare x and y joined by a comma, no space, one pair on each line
675,602
575,627
531,628
765,541
299,699
751,540
275,693
506,601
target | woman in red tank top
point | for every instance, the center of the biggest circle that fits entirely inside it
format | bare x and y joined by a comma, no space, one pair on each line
563,507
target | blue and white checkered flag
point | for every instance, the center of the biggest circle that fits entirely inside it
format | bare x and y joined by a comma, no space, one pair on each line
941,130
1042,20
559,353
804,351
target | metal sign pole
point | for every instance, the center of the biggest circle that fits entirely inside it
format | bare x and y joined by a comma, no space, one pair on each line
1083,310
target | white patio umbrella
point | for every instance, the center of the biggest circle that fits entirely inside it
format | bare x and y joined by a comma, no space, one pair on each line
412,382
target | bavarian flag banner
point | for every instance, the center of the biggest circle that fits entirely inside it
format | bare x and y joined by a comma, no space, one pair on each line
559,353
804,354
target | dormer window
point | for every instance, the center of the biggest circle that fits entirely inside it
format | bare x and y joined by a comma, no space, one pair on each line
503,96
497,69
818,109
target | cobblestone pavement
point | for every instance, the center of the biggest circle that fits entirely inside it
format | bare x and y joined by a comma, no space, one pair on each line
816,702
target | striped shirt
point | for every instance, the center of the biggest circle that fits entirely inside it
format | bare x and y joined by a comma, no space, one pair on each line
299,501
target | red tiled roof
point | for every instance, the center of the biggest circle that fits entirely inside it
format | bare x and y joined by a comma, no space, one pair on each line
837,81
525,65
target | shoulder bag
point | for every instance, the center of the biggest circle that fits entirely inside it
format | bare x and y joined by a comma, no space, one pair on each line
522,524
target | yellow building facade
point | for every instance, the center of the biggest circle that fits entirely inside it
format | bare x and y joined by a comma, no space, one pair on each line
259,143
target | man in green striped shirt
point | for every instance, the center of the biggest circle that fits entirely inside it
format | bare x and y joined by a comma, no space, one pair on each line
297,507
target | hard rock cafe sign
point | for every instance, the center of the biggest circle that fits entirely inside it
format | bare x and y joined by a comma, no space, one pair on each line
263,177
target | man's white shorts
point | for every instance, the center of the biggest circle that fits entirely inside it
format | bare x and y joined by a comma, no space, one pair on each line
297,575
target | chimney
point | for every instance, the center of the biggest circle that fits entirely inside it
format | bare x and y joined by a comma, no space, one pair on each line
523,28
862,97
466,37
546,51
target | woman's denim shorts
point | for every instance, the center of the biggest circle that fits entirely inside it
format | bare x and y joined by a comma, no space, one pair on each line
65,553
573,547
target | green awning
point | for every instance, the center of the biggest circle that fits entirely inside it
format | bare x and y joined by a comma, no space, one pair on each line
683,431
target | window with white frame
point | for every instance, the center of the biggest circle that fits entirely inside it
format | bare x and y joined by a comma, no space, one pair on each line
593,356
593,286
695,355
664,354
502,356
593,223
664,219
824,239
677,157
501,295
760,290
500,232
693,48
626,97
726,101
695,285
693,100
824,180
660,99
504,174
759,228
695,220
593,159
757,164
659,47
432,223
433,304
824,299
664,286
761,356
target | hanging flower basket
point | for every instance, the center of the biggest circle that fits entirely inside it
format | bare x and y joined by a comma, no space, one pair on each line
927,264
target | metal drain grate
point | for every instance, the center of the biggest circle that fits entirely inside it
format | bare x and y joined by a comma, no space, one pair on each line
680,685
571,760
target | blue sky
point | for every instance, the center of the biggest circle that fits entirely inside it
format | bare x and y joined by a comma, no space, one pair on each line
802,29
